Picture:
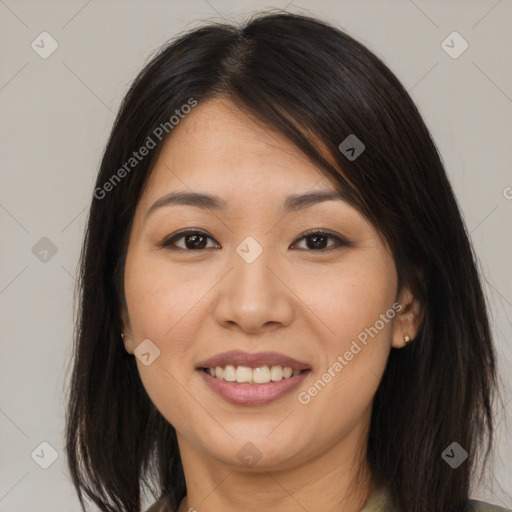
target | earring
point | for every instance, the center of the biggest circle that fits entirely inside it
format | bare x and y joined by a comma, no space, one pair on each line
122,335
407,339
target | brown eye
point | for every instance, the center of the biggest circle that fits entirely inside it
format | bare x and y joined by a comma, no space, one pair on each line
316,241
193,241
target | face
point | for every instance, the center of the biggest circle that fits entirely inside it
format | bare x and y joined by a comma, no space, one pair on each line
239,286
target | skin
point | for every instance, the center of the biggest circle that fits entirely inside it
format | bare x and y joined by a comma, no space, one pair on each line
303,302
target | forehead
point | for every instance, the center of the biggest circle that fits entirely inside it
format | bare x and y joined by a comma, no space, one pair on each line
218,147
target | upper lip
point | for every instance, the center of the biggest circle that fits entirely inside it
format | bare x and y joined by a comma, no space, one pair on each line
239,358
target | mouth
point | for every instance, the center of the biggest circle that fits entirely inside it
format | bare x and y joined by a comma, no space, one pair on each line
259,368
247,375
252,379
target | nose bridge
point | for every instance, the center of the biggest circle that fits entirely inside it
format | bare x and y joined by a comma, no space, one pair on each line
251,272
252,295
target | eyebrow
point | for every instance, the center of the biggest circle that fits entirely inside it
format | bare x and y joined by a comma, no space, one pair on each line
201,200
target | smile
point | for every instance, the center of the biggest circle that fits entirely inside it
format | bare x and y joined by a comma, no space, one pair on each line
246,374
243,378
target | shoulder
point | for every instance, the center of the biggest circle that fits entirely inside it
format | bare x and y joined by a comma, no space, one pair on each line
380,502
481,506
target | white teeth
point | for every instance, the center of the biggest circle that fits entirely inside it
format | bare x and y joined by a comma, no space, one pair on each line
243,374
259,375
229,373
276,373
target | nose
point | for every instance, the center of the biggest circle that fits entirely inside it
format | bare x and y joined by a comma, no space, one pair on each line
254,297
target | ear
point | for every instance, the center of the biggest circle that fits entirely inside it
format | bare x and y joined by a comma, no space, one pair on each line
127,331
408,319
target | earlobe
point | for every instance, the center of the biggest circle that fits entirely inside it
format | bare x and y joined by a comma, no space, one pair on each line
125,333
127,340
408,320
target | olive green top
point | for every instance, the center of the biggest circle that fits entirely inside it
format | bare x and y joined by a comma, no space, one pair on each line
378,502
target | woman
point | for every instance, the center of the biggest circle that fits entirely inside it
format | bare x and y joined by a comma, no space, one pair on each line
279,304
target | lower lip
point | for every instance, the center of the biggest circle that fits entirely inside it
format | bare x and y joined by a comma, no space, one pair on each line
253,394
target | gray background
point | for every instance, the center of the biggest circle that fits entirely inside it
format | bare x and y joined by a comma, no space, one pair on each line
57,114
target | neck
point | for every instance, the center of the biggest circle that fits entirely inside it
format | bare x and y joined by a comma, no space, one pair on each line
338,479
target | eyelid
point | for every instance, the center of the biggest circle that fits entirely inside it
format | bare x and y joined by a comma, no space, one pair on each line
167,243
340,240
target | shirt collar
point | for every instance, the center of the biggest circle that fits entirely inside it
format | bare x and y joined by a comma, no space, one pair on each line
378,502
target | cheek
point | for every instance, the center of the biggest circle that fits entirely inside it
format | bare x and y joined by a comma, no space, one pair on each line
161,297
163,305
348,298
168,392
355,325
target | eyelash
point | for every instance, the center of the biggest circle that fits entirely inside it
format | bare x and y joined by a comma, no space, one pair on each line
169,242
